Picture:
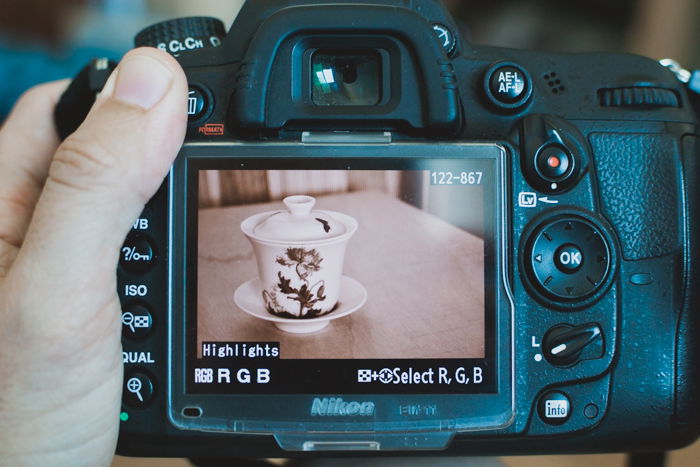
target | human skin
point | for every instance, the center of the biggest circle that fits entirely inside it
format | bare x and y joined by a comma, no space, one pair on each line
64,213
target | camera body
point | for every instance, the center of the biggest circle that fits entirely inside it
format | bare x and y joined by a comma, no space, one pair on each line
542,232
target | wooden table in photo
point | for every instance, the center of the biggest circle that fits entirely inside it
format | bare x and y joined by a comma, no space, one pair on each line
424,279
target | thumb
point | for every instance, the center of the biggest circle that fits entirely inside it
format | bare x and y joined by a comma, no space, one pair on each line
102,175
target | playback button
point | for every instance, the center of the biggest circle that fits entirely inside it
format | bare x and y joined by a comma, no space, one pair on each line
137,255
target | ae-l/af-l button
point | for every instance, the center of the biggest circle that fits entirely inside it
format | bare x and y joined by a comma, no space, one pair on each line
507,85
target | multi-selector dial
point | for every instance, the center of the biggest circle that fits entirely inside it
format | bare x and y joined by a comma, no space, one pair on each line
568,258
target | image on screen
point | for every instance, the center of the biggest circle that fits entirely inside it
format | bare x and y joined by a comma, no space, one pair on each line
330,264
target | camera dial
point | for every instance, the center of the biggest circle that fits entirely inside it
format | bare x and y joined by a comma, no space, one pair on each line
182,35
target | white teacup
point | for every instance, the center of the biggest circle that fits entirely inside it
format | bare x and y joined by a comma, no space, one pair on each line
300,254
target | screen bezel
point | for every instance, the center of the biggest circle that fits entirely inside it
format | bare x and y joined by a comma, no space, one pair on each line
279,413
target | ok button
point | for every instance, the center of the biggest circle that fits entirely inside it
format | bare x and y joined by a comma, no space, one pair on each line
568,258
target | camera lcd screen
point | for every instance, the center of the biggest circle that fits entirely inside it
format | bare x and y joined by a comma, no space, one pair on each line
365,281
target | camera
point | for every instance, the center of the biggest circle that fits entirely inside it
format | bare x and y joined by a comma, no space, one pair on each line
379,237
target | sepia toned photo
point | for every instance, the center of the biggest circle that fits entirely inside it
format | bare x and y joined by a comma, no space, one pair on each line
341,264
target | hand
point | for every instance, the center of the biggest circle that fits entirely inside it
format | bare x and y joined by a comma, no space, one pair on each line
64,213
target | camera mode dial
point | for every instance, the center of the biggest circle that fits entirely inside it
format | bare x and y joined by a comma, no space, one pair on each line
182,35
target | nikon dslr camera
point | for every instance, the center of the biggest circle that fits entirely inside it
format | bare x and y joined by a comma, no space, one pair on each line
380,237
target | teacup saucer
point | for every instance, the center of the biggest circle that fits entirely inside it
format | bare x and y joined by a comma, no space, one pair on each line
248,297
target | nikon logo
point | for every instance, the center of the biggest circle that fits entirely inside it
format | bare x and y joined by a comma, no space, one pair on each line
336,406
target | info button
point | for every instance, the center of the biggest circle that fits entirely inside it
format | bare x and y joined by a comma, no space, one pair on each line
554,408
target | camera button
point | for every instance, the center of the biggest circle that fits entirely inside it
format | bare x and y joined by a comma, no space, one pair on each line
138,389
508,86
197,104
137,255
568,258
554,163
137,322
554,408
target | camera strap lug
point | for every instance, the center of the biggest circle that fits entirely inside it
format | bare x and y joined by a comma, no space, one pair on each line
681,73
690,78
346,137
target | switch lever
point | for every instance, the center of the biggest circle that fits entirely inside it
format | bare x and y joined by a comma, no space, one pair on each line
565,344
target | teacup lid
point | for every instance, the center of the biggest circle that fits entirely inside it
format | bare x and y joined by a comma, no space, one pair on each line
299,223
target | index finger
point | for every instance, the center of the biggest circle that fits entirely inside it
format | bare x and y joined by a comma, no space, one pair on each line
28,141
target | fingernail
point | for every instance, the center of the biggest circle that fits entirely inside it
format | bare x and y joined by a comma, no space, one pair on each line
142,81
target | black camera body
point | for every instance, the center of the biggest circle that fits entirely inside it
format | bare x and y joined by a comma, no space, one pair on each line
542,232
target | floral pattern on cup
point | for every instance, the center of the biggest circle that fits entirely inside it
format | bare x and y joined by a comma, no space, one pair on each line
303,264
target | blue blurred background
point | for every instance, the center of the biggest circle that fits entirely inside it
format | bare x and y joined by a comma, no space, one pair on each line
45,40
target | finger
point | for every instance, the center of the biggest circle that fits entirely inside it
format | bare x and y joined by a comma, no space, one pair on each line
28,141
103,174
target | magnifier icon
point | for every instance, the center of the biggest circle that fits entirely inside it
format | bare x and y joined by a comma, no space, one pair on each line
134,386
128,320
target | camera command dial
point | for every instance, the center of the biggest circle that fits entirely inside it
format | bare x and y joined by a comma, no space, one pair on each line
568,259
182,35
